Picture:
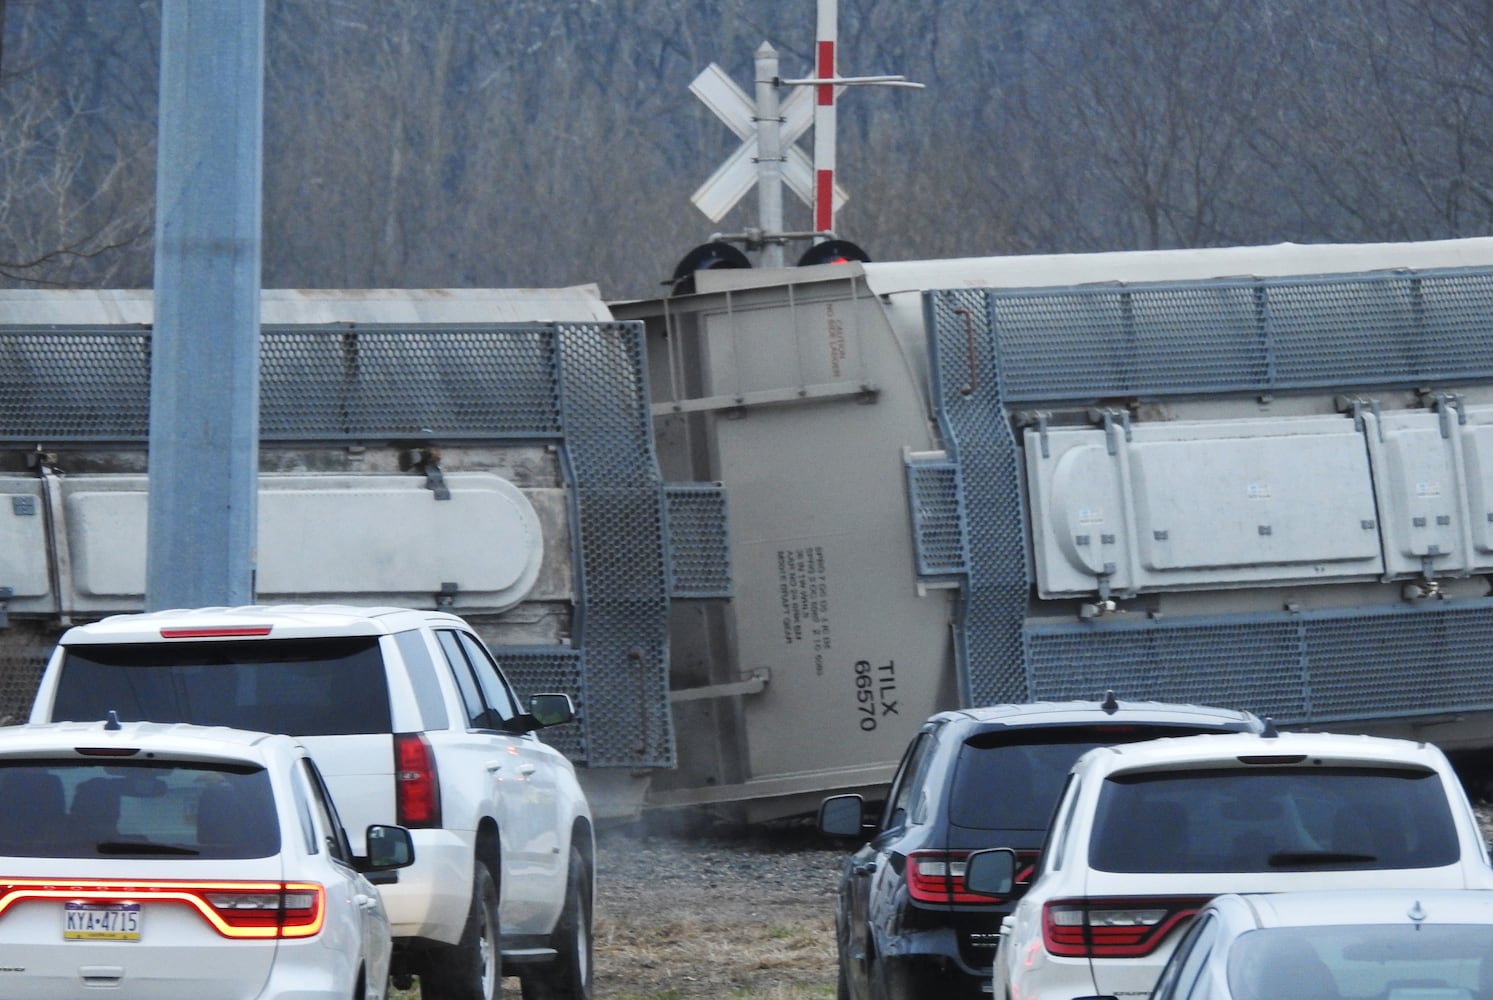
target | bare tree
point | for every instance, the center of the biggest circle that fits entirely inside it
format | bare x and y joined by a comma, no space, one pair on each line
1399,121
74,180
543,142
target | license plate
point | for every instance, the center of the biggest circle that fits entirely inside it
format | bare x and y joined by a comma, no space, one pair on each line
101,922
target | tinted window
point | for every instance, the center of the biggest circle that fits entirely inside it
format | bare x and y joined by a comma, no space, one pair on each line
1275,819
485,692
303,687
144,809
494,687
326,818
907,785
1430,960
478,716
1009,779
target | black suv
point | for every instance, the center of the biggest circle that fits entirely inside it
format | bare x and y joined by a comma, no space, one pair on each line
970,779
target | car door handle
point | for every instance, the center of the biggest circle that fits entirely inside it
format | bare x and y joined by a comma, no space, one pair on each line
494,766
526,769
365,901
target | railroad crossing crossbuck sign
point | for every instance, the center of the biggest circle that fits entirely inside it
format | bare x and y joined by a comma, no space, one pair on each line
768,155
735,177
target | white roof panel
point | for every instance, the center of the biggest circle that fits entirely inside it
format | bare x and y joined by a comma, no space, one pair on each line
576,303
1278,260
1048,270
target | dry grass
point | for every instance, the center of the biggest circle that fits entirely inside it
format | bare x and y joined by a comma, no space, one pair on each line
715,950
689,956
706,928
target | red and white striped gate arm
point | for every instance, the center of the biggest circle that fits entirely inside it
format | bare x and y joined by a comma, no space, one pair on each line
828,36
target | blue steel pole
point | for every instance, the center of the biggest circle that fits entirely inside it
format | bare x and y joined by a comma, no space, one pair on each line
204,383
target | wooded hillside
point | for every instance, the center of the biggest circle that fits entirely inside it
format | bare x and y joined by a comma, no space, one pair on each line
417,143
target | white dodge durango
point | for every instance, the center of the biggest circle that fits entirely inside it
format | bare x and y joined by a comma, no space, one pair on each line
142,861
1145,834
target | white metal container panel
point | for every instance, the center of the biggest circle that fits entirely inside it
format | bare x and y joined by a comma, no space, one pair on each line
356,538
1418,477
1434,476
1081,511
106,533
377,536
23,537
1477,452
1276,499
1191,504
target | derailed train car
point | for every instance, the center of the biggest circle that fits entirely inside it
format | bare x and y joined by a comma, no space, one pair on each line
487,452
1256,477
763,528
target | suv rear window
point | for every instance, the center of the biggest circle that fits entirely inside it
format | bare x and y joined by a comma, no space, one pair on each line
303,687
1275,819
1010,779
146,809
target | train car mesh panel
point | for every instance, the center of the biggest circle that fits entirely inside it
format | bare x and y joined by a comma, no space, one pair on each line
699,558
451,381
1401,662
542,669
622,617
21,660
74,383
1254,664
1308,667
67,384
988,634
1105,342
1382,327
1227,335
937,523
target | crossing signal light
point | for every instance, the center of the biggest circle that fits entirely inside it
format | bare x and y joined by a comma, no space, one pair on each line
833,252
705,257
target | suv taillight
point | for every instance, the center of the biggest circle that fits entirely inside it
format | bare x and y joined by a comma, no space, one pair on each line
417,788
1114,928
938,877
254,910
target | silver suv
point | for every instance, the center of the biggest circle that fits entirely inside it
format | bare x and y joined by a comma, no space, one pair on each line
411,720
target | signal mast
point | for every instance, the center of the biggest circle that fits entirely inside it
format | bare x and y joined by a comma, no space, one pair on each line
769,155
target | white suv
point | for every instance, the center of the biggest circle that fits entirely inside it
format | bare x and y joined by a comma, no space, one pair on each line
412,721
1146,833
152,862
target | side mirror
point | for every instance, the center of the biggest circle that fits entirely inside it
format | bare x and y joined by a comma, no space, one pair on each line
545,710
991,872
842,816
389,847
551,709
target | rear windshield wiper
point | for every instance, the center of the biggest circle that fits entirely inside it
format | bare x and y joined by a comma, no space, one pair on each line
1290,859
137,847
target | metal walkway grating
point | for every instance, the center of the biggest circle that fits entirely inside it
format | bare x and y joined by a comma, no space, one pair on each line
1185,338
699,555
